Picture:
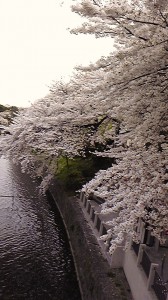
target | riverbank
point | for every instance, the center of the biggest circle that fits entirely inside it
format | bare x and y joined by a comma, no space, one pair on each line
97,280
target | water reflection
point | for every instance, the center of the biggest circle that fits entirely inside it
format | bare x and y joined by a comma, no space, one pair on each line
35,259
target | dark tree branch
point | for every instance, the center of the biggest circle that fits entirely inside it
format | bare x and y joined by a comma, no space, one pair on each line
127,29
96,3
94,125
163,17
142,22
164,88
144,75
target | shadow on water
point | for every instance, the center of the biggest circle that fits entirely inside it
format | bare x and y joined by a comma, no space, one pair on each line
35,257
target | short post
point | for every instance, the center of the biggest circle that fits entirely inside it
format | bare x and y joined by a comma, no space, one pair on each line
81,196
87,204
151,275
130,241
101,228
91,212
167,297
156,245
84,201
142,231
140,253
95,220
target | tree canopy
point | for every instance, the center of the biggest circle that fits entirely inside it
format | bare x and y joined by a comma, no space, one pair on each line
115,108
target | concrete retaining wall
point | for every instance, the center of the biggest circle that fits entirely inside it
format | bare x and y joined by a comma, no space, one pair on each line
96,280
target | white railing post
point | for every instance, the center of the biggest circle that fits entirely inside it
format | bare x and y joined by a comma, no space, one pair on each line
91,212
81,196
151,275
140,253
130,243
95,220
84,201
156,245
101,228
142,232
87,204
167,297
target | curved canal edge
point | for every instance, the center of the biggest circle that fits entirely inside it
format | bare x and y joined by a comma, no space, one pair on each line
97,281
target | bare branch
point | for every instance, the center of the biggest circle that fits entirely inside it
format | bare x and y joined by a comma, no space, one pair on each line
163,17
142,22
127,29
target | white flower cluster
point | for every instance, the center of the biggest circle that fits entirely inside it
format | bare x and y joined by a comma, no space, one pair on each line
119,102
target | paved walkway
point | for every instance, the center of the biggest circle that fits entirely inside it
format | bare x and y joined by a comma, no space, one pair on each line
116,275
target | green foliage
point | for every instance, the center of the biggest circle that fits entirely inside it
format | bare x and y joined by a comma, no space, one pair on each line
12,109
105,126
3,108
9,112
73,173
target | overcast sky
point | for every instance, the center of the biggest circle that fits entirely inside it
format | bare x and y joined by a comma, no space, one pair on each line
36,48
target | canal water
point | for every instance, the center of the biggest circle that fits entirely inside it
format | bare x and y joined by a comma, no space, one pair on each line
35,257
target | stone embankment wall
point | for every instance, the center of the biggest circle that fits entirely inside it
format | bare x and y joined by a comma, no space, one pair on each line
96,280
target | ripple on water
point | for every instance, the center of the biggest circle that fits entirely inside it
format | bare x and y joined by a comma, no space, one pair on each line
35,257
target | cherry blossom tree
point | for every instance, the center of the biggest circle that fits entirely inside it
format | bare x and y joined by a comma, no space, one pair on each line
119,102
134,80
61,124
